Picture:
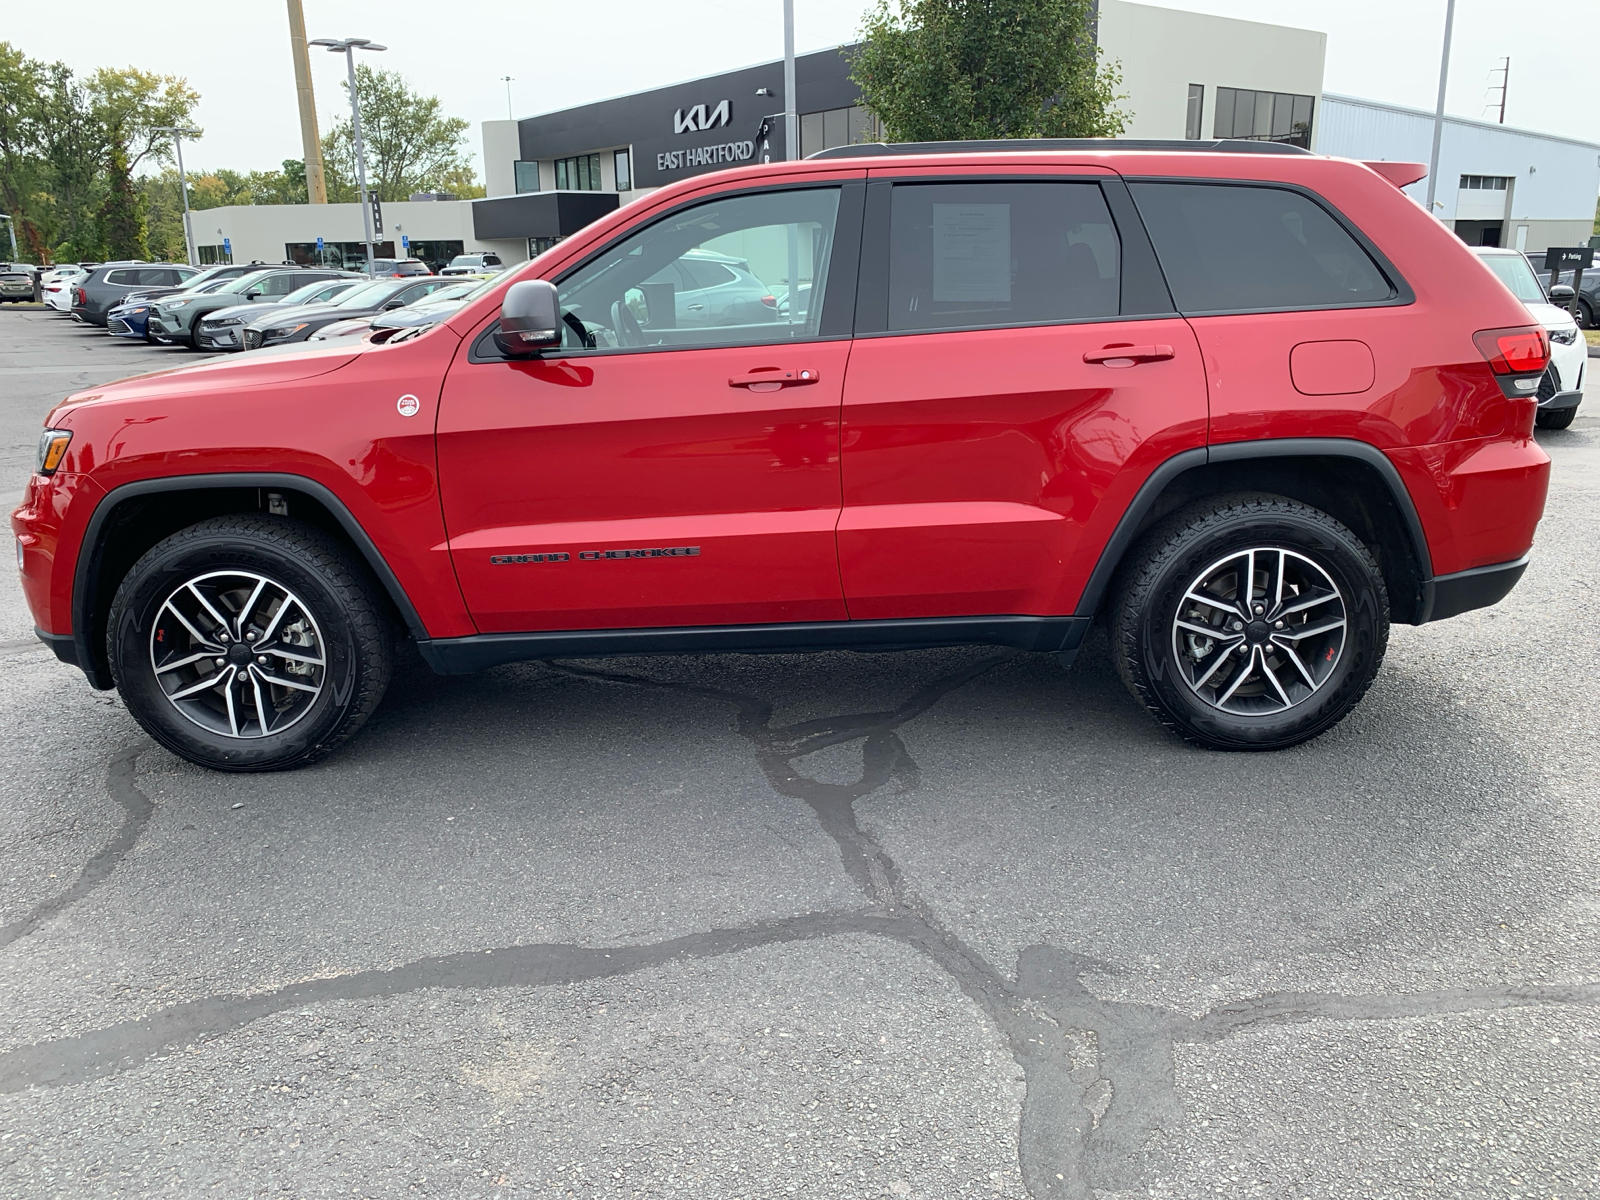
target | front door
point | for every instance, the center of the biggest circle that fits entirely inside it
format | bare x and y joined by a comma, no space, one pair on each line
1026,372
669,466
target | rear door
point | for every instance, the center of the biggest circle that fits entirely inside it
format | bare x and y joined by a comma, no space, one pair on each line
1017,371
657,472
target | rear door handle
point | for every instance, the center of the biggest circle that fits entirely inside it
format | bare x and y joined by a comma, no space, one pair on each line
1126,355
770,379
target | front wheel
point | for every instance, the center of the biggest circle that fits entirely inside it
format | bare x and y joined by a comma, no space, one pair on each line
249,643
1557,418
1250,622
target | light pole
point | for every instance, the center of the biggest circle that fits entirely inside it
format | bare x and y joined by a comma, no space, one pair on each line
348,47
506,79
1438,113
791,106
177,132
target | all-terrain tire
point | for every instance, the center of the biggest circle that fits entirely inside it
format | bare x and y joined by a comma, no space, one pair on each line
1174,557
167,608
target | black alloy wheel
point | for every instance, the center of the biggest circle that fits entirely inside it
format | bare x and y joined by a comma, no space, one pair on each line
1250,622
249,643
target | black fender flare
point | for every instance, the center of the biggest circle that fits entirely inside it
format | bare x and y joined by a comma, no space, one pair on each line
85,576
1128,526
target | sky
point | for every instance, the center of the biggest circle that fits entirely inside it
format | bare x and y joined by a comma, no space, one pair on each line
561,54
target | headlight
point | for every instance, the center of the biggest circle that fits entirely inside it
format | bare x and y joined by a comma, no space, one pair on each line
224,321
52,449
170,304
1564,337
283,331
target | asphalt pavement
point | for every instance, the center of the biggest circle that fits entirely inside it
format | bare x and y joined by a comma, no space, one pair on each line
938,924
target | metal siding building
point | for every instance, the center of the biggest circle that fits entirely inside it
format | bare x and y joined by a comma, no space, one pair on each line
1497,185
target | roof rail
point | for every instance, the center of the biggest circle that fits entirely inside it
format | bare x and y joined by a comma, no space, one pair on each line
1001,145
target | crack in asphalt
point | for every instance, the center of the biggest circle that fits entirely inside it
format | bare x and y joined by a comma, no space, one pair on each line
1099,1074
136,807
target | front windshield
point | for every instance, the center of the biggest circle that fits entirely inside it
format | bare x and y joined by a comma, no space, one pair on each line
306,294
364,294
1517,275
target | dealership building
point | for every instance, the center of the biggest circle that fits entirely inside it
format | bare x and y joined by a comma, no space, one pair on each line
1184,76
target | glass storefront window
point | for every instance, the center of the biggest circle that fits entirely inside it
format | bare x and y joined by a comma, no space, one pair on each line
623,173
580,174
1263,116
837,127
527,176
1197,99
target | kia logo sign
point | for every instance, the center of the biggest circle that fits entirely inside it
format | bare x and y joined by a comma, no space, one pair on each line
695,119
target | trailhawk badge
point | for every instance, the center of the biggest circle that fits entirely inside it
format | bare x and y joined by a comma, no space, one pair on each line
408,405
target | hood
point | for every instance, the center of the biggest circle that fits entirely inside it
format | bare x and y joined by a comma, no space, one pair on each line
417,314
259,368
320,312
1552,317
251,312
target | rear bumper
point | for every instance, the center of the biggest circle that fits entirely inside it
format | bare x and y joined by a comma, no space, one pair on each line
1561,400
1451,595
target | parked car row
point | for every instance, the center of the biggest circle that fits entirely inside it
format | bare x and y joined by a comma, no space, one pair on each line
248,305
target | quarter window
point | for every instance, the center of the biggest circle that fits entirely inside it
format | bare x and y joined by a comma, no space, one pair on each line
742,270
985,254
1233,248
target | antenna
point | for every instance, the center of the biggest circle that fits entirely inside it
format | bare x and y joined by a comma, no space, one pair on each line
1504,71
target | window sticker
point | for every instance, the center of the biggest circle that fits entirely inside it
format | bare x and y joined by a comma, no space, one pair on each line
972,252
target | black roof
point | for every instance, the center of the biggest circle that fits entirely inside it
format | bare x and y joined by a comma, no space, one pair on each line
1000,145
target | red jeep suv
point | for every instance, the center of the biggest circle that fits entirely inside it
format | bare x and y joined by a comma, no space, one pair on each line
1240,403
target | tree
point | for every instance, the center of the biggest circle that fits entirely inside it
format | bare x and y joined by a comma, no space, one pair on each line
122,212
134,107
411,146
936,70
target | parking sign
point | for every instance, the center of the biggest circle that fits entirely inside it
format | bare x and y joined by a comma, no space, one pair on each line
405,241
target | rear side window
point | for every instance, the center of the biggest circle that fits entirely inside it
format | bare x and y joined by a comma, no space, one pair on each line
1243,248
977,255
122,277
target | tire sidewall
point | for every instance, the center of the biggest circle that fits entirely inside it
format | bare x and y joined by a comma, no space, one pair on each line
1366,632
166,568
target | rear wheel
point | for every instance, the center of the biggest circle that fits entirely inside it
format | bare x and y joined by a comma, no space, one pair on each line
249,643
1250,622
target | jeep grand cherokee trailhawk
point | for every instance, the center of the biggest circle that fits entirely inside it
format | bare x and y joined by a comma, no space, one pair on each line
1243,404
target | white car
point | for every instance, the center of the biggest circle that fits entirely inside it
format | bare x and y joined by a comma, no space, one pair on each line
57,285
1561,389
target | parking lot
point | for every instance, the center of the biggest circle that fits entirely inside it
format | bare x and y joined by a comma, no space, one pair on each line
934,924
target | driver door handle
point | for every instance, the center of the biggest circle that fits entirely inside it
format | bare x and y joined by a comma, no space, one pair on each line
770,379
1125,355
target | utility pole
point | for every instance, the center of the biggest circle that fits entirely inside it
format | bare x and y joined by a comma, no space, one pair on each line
177,133
348,47
310,143
791,111
1438,112
506,79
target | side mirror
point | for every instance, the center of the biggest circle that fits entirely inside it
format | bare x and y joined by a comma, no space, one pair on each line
1561,292
530,319
253,294
394,304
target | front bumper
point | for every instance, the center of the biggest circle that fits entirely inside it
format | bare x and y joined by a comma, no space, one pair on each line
226,337
169,325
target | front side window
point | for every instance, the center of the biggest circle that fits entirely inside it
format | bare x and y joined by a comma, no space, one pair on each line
738,271
971,255
1244,248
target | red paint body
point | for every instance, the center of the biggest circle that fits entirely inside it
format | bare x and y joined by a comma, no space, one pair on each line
923,475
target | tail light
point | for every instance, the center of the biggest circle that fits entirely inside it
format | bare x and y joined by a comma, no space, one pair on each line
770,301
82,297
1518,351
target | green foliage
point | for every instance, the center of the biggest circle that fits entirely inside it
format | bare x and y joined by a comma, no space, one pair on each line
411,146
936,70
122,212
68,150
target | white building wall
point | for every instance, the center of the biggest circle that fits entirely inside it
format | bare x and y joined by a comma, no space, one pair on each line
502,147
261,231
1555,180
1163,50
